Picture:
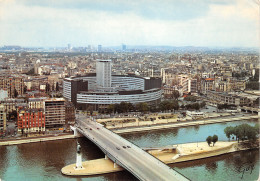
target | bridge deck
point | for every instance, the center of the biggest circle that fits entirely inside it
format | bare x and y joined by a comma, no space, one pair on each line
140,163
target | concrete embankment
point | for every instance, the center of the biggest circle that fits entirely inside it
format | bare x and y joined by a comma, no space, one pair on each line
179,153
182,124
34,140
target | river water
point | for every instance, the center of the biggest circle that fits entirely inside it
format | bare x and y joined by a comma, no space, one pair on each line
43,161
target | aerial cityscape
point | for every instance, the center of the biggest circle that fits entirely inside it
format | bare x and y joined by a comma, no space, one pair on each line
140,90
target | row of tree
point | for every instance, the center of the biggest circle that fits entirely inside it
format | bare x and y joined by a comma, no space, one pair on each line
212,139
196,106
144,107
169,105
127,107
242,132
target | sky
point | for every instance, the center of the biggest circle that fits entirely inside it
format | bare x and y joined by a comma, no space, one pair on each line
56,23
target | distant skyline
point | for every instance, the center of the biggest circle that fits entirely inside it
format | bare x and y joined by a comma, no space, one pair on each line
207,23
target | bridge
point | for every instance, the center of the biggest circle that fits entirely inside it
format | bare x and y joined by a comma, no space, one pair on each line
124,153
250,109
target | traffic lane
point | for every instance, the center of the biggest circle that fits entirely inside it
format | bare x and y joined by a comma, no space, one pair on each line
128,155
141,165
112,148
127,158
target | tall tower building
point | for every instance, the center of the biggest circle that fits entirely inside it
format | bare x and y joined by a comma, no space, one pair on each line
103,68
69,46
99,48
124,47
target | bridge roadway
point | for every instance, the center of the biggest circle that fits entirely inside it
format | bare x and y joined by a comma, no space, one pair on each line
138,162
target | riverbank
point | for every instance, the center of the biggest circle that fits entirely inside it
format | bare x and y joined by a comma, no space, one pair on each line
129,129
182,124
153,119
36,139
169,155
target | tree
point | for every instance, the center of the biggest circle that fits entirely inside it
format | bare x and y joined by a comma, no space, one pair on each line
131,107
142,107
256,127
166,105
117,108
196,106
229,131
15,93
209,140
243,132
182,106
12,115
57,87
203,104
123,107
236,133
47,87
175,94
111,108
214,139
190,98
175,105
53,87
25,89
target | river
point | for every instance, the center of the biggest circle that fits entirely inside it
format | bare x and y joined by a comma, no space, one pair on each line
43,161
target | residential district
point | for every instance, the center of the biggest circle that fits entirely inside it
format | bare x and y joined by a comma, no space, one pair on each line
42,89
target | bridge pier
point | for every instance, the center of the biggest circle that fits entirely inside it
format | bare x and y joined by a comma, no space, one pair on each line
106,157
76,133
116,165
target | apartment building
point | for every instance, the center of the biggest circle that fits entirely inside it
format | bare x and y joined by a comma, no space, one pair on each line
207,84
31,121
2,119
54,113
192,85
235,98
36,103
13,85
12,104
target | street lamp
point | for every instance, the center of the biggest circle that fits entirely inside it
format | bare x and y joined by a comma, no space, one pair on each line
197,139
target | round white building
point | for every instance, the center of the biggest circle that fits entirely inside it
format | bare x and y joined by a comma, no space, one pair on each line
101,89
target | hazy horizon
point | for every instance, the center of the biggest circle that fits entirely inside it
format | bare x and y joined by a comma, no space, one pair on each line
212,23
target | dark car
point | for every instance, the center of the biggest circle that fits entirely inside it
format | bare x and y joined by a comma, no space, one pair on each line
117,148
124,147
